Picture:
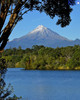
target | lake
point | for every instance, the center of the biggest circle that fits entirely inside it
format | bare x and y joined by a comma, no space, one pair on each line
44,85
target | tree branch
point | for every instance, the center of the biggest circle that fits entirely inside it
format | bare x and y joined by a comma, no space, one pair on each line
4,11
7,30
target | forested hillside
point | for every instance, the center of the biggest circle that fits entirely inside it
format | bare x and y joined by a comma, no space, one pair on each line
43,58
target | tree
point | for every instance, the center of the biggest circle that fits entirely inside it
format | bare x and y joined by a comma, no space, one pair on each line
5,92
75,60
17,8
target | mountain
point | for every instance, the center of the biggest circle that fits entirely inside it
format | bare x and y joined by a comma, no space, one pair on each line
41,36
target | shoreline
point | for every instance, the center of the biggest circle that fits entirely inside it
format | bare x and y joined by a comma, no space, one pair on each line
47,69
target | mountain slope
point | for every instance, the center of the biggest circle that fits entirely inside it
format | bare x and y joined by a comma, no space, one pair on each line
41,36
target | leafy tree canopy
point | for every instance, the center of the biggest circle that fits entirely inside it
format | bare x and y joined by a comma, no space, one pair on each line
17,8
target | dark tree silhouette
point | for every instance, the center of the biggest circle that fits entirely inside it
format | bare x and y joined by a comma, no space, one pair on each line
5,92
17,8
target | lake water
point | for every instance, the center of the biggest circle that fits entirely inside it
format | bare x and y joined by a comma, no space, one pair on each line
45,85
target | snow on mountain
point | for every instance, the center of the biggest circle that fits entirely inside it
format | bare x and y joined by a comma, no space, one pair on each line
42,32
41,36
40,28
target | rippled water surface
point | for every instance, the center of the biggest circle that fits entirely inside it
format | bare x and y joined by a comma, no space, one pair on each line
44,85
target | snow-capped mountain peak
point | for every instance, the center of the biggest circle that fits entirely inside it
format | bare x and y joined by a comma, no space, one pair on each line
40,28
41,32
41,36
44,33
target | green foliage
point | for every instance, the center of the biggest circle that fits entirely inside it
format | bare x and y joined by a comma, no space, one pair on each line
14,98
43,58
17,8
75,60
5,92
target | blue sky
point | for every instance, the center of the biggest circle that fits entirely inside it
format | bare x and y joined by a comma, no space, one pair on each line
32,19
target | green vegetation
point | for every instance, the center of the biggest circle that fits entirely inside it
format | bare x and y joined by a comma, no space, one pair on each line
43,58
5,92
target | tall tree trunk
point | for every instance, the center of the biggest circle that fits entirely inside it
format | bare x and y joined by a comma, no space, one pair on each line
4,11
7,30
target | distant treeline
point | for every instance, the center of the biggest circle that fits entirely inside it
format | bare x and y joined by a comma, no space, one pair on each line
43,58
